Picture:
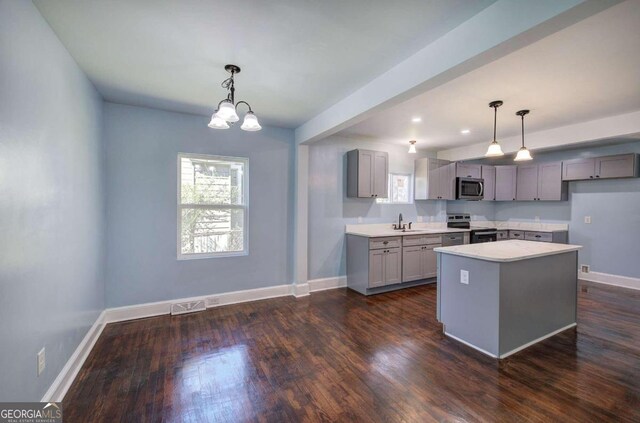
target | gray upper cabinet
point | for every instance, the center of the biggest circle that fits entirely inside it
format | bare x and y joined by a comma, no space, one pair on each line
550,185
540,182
427,178
506,183
618,166
465,170
367,173
577,169
447,182
488,173
527,185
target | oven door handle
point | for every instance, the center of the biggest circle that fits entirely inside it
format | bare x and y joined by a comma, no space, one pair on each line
486,233
481,189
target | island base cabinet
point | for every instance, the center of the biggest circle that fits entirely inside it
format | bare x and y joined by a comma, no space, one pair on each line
506,306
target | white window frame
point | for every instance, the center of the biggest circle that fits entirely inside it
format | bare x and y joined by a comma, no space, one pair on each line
390,190
245,207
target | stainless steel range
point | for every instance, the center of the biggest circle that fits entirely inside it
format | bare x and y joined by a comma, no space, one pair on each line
463,221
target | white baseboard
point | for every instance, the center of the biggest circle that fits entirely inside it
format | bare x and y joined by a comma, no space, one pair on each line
67,375
609,279
316,285
139,311
300,290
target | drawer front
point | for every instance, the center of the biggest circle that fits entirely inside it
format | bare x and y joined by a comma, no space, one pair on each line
452,239
502,235
408,241
516,234
391,242
538,236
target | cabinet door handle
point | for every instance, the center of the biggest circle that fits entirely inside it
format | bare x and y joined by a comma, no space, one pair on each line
537,236
591,176
385,242
597,176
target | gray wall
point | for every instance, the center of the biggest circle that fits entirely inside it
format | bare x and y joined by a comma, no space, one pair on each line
142,147
330,210
612,241
51,203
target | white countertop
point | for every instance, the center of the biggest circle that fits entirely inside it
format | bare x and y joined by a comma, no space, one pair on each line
506,251
520,226
374,231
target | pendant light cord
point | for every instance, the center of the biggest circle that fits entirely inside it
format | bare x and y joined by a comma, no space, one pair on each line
522,130
495,120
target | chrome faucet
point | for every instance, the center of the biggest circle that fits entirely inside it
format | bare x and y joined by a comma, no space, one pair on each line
400,221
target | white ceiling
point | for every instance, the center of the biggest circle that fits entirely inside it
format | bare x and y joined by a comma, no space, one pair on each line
586,71
297,58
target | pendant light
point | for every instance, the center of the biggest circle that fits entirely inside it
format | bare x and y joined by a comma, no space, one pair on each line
494,149
412,147
523,153
227,113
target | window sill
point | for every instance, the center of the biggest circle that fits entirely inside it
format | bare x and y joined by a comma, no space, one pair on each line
182,257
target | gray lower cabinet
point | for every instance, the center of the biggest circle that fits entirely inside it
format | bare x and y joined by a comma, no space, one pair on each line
419,262
506,182
367,172
488,173
605,167
559,237
516,234
385,267
502,235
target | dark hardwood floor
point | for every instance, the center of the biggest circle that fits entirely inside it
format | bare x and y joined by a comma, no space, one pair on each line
339,356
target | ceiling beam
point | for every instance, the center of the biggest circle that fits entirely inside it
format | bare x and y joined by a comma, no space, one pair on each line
614,127
500,29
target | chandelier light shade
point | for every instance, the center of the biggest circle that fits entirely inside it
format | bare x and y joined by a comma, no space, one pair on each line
250,122
494,149
523,154
217,122
227,111
412,147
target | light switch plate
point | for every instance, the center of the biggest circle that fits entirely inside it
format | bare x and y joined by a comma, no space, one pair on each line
464,277
587,220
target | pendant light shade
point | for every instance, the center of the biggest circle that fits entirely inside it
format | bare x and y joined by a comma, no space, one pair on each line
217,122
250,122
412,147
494,149
227,111
523,153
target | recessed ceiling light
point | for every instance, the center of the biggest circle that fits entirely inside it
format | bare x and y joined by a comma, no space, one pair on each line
465,131
416,119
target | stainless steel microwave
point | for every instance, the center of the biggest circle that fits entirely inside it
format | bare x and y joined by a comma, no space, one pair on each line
469,188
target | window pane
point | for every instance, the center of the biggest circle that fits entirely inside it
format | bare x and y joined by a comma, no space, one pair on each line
208,181
400,188
212,230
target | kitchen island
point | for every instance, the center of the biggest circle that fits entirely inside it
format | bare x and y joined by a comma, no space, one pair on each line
501,297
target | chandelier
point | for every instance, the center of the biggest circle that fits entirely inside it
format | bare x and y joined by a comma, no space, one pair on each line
226,112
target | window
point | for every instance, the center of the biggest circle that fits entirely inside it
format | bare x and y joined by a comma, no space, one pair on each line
400,190
212,206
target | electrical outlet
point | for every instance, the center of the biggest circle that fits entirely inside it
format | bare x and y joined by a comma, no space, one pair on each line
464,277
419,219
359,219
584,268
42,363
587,220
